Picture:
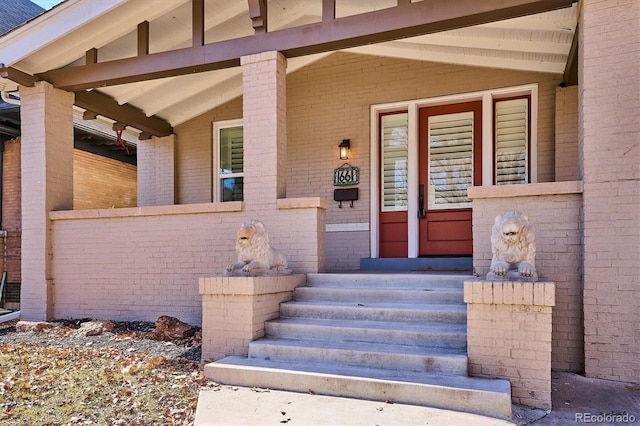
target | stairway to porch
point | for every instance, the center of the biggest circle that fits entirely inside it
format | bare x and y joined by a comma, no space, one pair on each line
397,337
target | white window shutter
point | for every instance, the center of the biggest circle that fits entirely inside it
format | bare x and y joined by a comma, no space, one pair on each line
512,141
395,152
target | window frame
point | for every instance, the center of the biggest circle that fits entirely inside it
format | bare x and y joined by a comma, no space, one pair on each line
216,176
412,106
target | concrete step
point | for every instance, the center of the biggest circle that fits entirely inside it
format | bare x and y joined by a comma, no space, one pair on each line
441,335
489,397
400,281
368,295
362,354
398,337
400,312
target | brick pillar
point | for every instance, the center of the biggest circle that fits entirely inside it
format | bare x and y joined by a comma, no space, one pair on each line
47,185
509,336
609,135
265,133
156,171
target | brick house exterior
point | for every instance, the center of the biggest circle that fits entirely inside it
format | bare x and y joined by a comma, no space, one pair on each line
586,168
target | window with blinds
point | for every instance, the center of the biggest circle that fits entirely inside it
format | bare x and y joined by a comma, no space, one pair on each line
231,164
394,161
450,160
511,141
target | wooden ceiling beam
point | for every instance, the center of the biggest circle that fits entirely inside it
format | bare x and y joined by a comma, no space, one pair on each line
404,20
17,76
103,105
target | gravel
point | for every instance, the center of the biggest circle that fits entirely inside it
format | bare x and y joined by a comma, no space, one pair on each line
129,336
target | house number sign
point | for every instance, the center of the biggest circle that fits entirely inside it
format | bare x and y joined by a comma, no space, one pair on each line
346,175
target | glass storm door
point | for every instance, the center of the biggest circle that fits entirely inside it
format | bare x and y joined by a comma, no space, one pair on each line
450,161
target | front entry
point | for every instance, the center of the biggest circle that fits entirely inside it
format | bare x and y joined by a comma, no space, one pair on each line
450,160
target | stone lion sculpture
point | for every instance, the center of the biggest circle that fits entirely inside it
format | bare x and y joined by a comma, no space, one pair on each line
514,248
255,254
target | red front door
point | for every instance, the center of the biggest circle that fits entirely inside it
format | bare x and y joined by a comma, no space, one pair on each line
450,160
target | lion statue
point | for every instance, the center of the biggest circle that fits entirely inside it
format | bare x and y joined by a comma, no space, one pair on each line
514,248
255,254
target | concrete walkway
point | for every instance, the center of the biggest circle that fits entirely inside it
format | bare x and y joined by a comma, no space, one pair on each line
572,394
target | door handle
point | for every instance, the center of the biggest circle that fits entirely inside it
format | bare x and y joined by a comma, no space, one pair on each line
421,211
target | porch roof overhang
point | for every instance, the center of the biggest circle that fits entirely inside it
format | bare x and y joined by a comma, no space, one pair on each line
156,64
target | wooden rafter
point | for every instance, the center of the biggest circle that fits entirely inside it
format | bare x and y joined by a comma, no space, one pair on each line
103,105
96,103
258,15
143,38
17,76
570,76
405,20
198,23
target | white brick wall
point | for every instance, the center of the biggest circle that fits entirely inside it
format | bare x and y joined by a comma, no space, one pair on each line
555,219
47,184
156,171
265,135
610,140
140,263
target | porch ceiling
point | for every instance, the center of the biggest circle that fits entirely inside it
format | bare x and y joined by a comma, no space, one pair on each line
540,42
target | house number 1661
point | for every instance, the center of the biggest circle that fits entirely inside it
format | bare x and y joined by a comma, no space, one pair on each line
343,176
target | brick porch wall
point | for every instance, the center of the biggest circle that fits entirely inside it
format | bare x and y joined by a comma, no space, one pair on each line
554,210
140,263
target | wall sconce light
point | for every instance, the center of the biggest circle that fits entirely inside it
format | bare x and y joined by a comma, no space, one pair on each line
344,146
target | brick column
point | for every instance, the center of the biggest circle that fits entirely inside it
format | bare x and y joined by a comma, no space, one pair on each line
509,336
609,135
47,184
234,310
265,134
156,171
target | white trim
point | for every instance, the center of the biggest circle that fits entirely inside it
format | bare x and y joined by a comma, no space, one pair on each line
52,25
346,227
413,106
413,178
215,150
533,124
374,192
487,140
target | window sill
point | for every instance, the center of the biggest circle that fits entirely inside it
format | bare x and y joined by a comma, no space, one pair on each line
531,189
302,203
177,209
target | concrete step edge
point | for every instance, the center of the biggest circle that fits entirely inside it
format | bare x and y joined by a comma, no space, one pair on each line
475,395
428,335
444,360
